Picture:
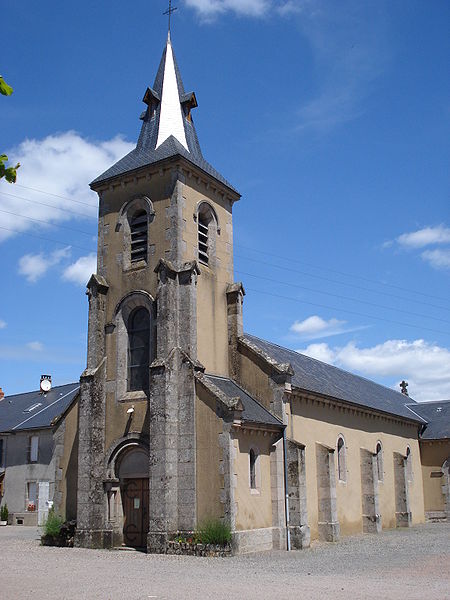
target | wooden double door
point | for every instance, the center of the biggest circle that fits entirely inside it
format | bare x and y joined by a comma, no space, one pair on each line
135,512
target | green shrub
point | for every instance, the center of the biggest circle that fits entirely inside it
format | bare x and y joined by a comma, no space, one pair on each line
4,512
52,525
214,531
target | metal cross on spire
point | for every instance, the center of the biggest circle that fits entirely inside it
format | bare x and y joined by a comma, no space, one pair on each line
169,11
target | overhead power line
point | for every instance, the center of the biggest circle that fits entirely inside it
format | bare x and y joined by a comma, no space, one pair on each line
63,208
40,237
352,312
327,279
296,285
47,222
373,281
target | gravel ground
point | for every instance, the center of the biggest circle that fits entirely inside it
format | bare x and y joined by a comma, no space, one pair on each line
398,564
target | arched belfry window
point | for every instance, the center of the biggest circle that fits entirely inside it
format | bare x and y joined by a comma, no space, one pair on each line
379,457
138,349
138,233
341,459
207,229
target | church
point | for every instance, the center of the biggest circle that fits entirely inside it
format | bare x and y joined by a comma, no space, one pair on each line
181,416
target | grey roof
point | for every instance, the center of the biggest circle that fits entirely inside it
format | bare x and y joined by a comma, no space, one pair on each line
146,153
16,416
438,416
253,412
315,376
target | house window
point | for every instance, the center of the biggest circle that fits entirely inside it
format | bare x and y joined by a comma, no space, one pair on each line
33,449
409,470
138,350
341,459
253,457
31,496
138,232
379,457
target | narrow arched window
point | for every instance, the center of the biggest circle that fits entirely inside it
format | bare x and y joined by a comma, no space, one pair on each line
138,350
138,232
409,471
341,459
253,457
379,457
203,239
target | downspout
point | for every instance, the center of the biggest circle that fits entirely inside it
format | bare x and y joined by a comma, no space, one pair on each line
286,493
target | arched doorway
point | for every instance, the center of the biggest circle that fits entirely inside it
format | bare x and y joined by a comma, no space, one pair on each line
132,471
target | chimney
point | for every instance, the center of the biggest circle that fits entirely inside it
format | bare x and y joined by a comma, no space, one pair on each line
2,394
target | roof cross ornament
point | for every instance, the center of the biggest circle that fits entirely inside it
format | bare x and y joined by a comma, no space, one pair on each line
169,11
403,387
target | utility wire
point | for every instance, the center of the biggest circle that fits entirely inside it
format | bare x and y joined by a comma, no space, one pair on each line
398,287
296,285
358,287
47,222
352,312
40,237
55,195
73,212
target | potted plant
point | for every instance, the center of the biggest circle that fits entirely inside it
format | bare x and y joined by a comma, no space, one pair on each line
4,515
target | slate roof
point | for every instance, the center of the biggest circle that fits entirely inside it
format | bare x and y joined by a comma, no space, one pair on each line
316,376
438,416
253,412
146,151
15,414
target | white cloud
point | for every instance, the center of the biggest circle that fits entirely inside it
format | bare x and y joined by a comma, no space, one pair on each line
2,324
80,271
439,259
34,266
424,365
62,165
315,327
213,8
35,346
425,237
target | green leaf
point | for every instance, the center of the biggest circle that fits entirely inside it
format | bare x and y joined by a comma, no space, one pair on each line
5,89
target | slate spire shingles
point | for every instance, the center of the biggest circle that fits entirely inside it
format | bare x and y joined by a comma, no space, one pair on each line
167,126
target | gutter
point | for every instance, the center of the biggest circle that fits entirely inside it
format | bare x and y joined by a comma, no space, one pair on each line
286,493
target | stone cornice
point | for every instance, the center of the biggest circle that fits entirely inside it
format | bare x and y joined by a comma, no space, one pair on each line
170,268
281,368
232,404
342,405
235,288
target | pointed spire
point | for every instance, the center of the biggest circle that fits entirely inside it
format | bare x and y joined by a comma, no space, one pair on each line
167,126
171,116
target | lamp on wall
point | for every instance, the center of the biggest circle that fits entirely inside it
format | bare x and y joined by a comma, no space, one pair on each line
130,411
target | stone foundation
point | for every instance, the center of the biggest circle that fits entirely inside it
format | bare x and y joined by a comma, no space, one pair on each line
256,540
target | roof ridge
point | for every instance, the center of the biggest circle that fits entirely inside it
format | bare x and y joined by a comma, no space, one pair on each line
37,391
332,366
427,402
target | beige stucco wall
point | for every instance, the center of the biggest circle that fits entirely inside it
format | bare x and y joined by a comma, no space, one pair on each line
313,422
253,507
68,463
212,333
433,453
208,455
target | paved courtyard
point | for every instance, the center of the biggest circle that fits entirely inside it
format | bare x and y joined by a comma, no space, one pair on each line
398,564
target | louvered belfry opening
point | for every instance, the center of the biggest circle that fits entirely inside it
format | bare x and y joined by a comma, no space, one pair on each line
203,239
138,229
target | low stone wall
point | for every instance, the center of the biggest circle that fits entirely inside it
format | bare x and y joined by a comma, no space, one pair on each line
191,549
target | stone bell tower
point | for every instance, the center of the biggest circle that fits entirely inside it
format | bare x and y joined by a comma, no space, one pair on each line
157,315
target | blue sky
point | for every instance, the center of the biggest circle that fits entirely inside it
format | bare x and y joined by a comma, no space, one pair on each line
332,119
